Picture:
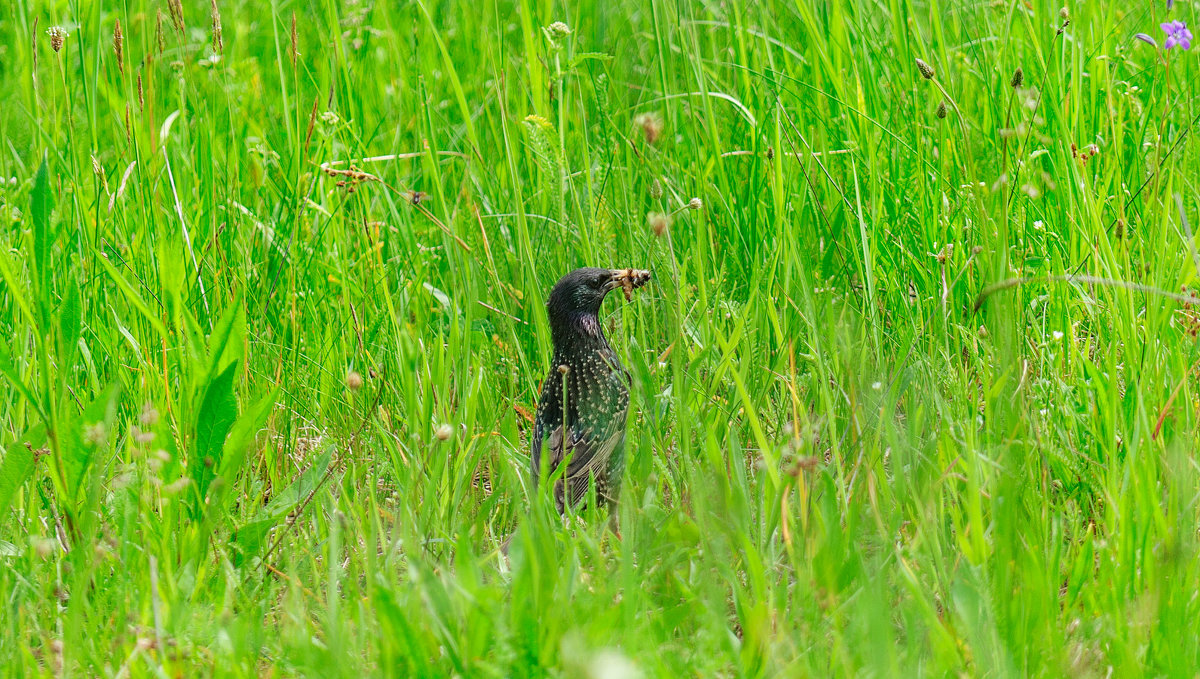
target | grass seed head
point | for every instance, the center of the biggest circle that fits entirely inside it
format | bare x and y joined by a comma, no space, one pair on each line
1018,78
176,9
925,69
695,204
118,42
354,381
651,124
945,253
217,40
95,433
160,38
659,223
149,415
295,52
443,432
941,109
98,170
177,486
43,547
142,437
57,35
656,189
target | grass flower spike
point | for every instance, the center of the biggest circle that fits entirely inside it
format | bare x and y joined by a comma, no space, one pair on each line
925,69
57,35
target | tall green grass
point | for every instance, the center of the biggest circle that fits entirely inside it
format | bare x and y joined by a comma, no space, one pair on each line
272,331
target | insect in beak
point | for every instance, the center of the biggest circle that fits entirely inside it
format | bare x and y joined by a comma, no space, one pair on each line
628,280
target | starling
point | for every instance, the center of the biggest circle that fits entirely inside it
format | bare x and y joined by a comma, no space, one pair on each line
597,392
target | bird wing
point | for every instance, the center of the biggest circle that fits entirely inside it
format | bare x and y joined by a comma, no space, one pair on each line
591,452
591,442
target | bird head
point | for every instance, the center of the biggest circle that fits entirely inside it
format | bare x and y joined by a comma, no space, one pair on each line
574,302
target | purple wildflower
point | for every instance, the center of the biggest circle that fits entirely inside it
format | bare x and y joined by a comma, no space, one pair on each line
1177,34
1146,39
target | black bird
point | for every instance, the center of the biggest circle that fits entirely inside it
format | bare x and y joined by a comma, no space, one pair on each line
597,391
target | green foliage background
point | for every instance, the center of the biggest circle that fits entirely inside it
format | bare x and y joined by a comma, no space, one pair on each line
271,308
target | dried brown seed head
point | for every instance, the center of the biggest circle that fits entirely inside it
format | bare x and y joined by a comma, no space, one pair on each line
659,223
651,124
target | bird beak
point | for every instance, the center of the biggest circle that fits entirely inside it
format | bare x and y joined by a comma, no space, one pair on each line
627,279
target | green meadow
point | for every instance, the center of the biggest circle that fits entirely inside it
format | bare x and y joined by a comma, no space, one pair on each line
915,386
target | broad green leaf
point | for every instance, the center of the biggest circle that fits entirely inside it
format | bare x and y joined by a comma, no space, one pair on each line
42,203
218,410
69,325
16,288
197,345
248,538
240,438
242,435
80,436
172,270
284,501
9,370
226,345
18,464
